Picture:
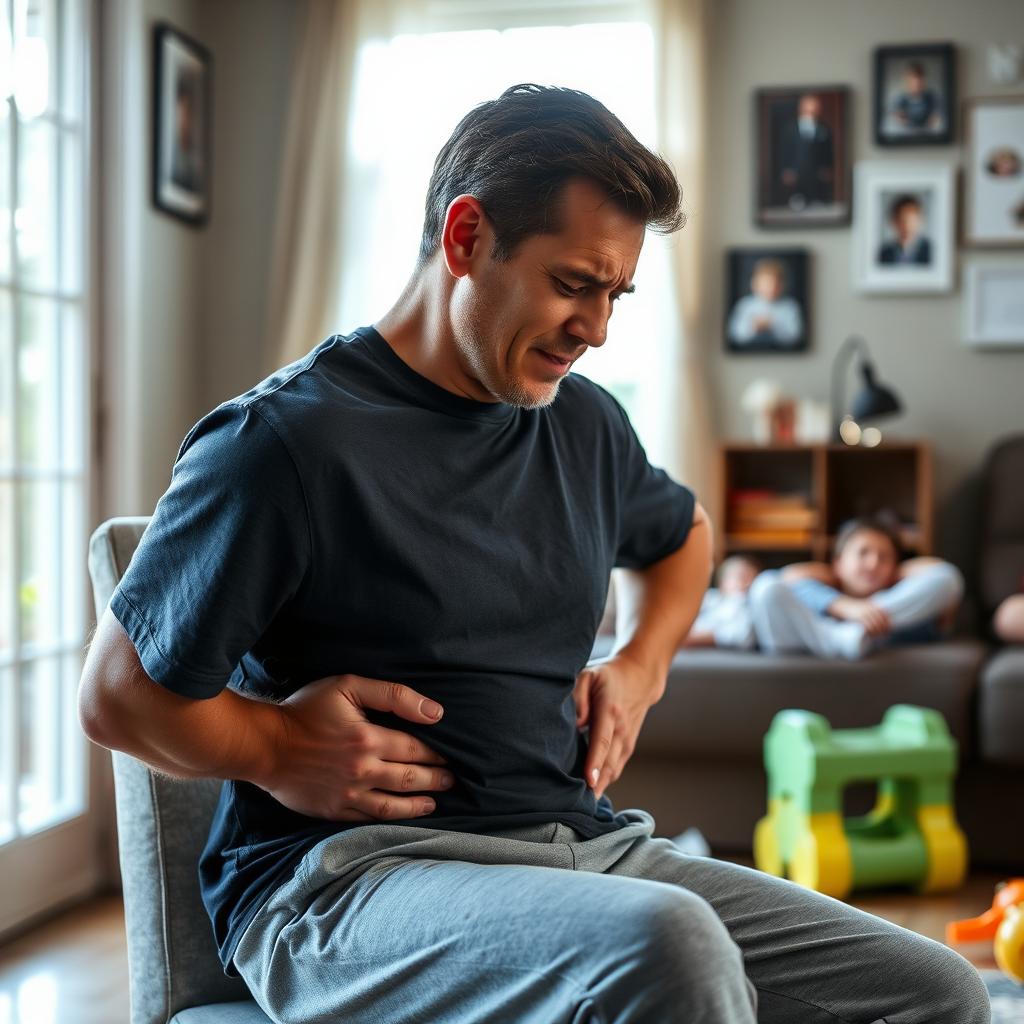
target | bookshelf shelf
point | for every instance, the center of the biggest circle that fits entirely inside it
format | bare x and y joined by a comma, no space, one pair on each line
786,500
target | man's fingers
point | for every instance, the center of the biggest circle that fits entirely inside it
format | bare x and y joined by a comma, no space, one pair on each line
602,731
582,697
395,745
411,778
377,805
386,696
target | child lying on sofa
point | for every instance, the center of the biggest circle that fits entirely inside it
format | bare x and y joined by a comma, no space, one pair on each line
724,616
865,599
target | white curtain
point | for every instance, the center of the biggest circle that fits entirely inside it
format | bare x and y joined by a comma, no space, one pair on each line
306,256
681,34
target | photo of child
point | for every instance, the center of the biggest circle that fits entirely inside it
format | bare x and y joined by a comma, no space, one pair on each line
767,301
914,95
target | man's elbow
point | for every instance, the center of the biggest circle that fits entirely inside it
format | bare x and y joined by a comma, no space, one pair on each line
95,713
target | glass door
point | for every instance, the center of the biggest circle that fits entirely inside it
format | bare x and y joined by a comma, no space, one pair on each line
46,844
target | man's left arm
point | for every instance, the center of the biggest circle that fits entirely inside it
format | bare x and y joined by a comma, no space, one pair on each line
655,608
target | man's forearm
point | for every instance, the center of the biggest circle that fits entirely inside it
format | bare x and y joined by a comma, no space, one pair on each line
656,607
120,707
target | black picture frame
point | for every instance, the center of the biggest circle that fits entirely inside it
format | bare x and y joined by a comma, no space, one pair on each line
744,302
803,165
182,156
915,83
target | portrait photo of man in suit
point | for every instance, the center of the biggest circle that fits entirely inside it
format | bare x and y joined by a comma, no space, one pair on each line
802,156
806,157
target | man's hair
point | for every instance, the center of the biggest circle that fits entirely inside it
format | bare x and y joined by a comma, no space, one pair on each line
915,68
900,202
517,153
879,523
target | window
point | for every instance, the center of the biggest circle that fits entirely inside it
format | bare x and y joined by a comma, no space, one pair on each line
43,412
410,92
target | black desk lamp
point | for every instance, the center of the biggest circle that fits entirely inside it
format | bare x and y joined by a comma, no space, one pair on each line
872,401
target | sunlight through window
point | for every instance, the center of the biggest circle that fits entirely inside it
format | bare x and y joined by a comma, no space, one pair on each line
410,93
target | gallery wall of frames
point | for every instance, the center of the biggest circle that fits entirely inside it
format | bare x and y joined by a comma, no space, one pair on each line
909,215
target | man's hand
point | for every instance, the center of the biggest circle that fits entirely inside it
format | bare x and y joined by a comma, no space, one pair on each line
613,698
331,762
855,609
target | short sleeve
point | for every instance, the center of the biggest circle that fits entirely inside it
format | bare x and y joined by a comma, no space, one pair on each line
656,513
228,545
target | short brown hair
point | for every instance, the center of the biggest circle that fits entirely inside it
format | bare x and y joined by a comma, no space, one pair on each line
517,153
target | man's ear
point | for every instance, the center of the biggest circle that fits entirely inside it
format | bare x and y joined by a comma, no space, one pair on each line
465,235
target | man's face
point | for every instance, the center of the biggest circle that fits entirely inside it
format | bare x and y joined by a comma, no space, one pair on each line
519,325
810,106
866,564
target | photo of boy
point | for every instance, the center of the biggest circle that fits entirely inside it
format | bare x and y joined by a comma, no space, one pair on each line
907,244
914,95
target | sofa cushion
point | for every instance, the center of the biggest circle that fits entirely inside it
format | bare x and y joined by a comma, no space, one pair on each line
720,703
1001,707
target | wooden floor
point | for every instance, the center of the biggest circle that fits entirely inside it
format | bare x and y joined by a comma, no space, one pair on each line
72,970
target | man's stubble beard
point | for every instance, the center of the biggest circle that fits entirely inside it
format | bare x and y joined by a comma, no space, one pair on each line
478,352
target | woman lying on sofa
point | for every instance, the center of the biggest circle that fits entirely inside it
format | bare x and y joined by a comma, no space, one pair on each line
864,599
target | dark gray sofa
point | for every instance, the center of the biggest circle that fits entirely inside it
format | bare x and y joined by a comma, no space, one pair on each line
698,760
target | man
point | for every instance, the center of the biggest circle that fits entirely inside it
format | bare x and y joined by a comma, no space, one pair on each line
432,507
806,157
909,246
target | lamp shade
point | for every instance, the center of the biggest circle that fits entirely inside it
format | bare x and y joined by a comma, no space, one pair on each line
874,400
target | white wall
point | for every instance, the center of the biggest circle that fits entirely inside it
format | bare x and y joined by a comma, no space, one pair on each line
959,398
182,313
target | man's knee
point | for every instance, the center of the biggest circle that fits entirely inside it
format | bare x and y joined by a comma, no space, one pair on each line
675,933
955,993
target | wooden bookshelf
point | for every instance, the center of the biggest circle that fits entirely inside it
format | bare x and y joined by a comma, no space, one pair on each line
785,503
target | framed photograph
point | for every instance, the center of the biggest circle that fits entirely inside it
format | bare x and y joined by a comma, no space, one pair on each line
802,157
994,307
182,74
994,195
766,300
903,234
915,95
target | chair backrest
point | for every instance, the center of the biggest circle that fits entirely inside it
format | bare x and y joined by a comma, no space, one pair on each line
162,824
1002,546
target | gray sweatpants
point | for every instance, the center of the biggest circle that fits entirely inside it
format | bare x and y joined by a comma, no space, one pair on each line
391,924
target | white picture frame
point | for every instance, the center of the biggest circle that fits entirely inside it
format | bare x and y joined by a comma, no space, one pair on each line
903,237
994,191
994,304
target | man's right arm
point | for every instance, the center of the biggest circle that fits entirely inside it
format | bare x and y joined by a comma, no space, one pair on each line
121,707
315,752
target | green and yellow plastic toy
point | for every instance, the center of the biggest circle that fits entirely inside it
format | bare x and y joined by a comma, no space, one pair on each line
910,837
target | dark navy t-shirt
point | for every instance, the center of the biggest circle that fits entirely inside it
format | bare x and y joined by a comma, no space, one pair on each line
347,515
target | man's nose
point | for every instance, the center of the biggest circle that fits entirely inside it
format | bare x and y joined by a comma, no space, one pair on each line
591,327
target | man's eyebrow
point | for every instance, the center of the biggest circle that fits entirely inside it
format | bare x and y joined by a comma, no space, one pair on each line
592,279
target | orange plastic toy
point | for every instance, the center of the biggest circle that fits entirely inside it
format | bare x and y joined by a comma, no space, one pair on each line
1003,922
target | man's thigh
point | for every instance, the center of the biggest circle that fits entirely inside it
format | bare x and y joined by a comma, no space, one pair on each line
422,939
813,958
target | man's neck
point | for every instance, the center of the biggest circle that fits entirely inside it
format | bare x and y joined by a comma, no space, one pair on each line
418,329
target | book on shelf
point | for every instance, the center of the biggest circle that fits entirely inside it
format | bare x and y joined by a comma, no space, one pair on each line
769,538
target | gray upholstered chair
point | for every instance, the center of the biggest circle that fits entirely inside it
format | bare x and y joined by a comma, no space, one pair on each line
175,976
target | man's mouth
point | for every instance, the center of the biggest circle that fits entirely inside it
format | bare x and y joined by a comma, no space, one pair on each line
562,362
